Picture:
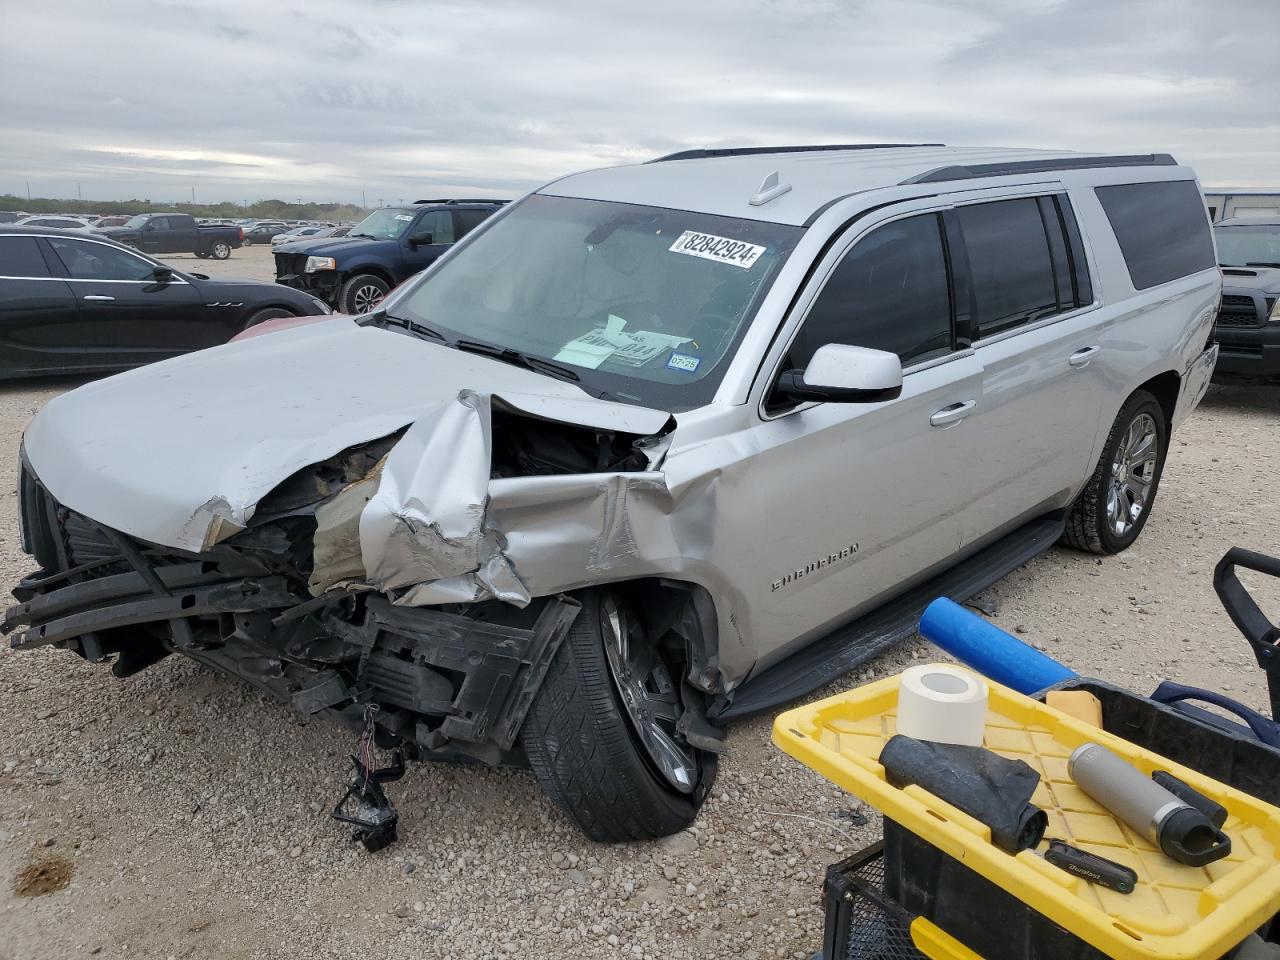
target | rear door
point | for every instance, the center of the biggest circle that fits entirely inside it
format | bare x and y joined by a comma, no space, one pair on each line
127,317
1038,336
38,317
180,235
466,220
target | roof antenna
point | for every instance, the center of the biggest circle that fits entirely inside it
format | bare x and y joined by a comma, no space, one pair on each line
770,189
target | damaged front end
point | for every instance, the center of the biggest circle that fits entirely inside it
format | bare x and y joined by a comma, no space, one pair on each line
414,587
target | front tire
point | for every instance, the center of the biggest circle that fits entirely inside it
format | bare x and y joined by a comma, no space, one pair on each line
1115,503
362,293
220,250
618,776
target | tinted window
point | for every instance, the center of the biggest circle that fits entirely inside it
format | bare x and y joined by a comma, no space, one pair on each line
439,224
97,261
467,220
1161,227
20,257
889,293
1010,265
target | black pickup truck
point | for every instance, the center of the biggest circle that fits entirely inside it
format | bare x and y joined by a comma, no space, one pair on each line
1248,326
157,233
353,273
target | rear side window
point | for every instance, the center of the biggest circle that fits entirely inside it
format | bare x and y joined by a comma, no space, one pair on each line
1161,227
467,220
890,292
20,257
1011,266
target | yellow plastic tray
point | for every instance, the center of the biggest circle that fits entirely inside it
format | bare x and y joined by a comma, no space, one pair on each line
1176,912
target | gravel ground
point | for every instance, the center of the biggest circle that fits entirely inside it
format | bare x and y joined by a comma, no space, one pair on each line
183,815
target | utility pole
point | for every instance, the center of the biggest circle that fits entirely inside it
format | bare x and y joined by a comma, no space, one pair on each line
364,203
79,195
379,201
193,196
28,189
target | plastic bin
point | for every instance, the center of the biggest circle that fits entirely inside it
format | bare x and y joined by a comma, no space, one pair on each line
1215,747
1176,912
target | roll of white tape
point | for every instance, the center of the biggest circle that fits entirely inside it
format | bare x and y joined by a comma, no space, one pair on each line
942,703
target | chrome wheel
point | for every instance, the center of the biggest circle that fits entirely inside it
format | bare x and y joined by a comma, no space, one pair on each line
650,696
1133,470
366,297
221,251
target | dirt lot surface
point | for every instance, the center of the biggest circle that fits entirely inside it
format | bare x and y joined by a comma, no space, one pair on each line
179,814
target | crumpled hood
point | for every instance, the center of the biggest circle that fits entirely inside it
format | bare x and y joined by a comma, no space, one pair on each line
180,452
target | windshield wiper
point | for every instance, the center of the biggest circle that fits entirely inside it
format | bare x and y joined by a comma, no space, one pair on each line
383,319
516,358
367,236
1262,263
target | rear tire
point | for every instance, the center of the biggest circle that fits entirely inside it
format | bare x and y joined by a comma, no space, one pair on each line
1116,501
220,250
362,293
584,747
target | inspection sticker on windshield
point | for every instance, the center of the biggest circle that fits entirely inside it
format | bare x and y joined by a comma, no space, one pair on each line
710,247
683,361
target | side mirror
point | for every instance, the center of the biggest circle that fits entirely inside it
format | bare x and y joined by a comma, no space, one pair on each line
162,274
148,226
839,373
420,239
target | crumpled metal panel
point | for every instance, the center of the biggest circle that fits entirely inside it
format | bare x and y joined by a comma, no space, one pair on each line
440,530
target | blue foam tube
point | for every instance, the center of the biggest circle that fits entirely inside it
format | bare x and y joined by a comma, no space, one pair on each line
988,649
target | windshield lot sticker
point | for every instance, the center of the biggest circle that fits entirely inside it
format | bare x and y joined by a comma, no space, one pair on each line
632,348
710,247
683,362
403,216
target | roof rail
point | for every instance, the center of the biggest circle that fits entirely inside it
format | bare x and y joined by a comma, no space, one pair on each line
462,200
703,154
979,170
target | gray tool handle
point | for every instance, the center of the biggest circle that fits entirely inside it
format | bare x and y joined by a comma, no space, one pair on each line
1141,803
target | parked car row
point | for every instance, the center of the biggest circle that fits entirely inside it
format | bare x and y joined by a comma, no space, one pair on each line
655,447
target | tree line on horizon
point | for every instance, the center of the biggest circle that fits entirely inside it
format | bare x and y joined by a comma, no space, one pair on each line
262,210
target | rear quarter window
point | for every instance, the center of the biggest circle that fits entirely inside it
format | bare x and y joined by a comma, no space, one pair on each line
1161,227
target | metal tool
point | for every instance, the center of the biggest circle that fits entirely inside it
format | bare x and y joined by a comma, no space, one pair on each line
1091,867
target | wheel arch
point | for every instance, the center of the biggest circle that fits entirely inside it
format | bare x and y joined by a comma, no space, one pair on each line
1165,387
373,269
688,610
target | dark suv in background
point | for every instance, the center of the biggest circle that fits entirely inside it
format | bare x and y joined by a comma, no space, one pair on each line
1248,327
353,273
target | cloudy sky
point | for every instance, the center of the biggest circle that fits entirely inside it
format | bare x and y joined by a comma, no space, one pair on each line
321,100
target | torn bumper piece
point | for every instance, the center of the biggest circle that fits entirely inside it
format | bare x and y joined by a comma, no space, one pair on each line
61,615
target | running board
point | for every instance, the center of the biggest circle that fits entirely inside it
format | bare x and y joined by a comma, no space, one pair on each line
855,643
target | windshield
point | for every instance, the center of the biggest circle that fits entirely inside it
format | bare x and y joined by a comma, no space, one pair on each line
643,304
385,224
1249,245
133,223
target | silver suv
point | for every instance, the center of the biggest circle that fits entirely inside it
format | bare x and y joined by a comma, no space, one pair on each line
653,447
